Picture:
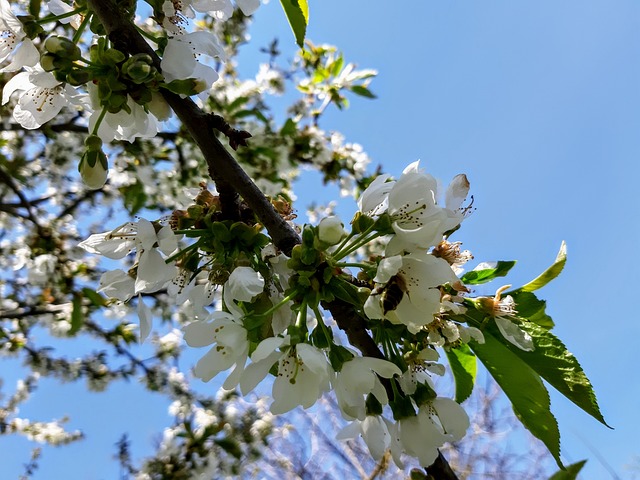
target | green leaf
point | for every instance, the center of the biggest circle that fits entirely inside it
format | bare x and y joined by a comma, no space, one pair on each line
549,274
297,12
571,473
475,277
523,387
463,365
553,362
362,91
77,317
532,308
95,298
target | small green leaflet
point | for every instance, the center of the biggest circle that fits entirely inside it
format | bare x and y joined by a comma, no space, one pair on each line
524,388
475,277
571,473
362,91
463,365
549,274
297,12
77,316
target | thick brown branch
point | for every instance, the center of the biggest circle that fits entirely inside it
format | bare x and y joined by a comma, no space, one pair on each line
231,180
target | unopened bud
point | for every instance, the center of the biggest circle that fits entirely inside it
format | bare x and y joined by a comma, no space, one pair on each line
331,230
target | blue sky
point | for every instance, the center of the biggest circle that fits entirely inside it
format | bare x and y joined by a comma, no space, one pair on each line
538,103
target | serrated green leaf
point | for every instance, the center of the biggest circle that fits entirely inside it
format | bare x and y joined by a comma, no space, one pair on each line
77,316
297,12
475,277
549,274
553,362
523,387
362,91
571,473
532,308
463,365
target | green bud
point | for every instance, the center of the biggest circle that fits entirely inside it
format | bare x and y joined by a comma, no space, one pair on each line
96,26
383,224
30,26
48,62
308,235
187,86
113,56
93,143
63,47
195,211
78,77
93,169
361,222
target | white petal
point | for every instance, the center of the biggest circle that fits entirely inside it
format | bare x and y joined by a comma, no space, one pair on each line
452,416
145,316
515,334
248,6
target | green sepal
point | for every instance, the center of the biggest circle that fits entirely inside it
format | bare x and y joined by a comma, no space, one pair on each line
524,388
571,472
464,367
297,12
372,405
549,274
338,355
402,407
423,394
319,338
476,277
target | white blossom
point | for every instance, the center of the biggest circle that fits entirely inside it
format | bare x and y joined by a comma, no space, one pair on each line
41,97
14,42
416,277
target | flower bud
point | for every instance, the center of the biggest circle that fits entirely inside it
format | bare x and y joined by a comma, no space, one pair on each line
94,176
331,230
63,47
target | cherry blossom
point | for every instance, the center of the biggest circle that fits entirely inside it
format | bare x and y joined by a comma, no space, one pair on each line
416,277
14,42
41,97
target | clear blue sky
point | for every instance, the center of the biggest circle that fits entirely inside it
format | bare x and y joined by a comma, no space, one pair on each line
539,104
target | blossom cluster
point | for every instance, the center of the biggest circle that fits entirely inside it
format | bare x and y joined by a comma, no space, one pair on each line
272,314
120,93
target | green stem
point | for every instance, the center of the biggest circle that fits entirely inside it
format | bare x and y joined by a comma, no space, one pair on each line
301,320
147,35
55,18
280,304
99,121
182,252
323,325
362,240
83,25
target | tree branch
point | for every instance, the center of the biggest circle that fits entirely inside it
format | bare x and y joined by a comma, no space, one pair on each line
229,177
